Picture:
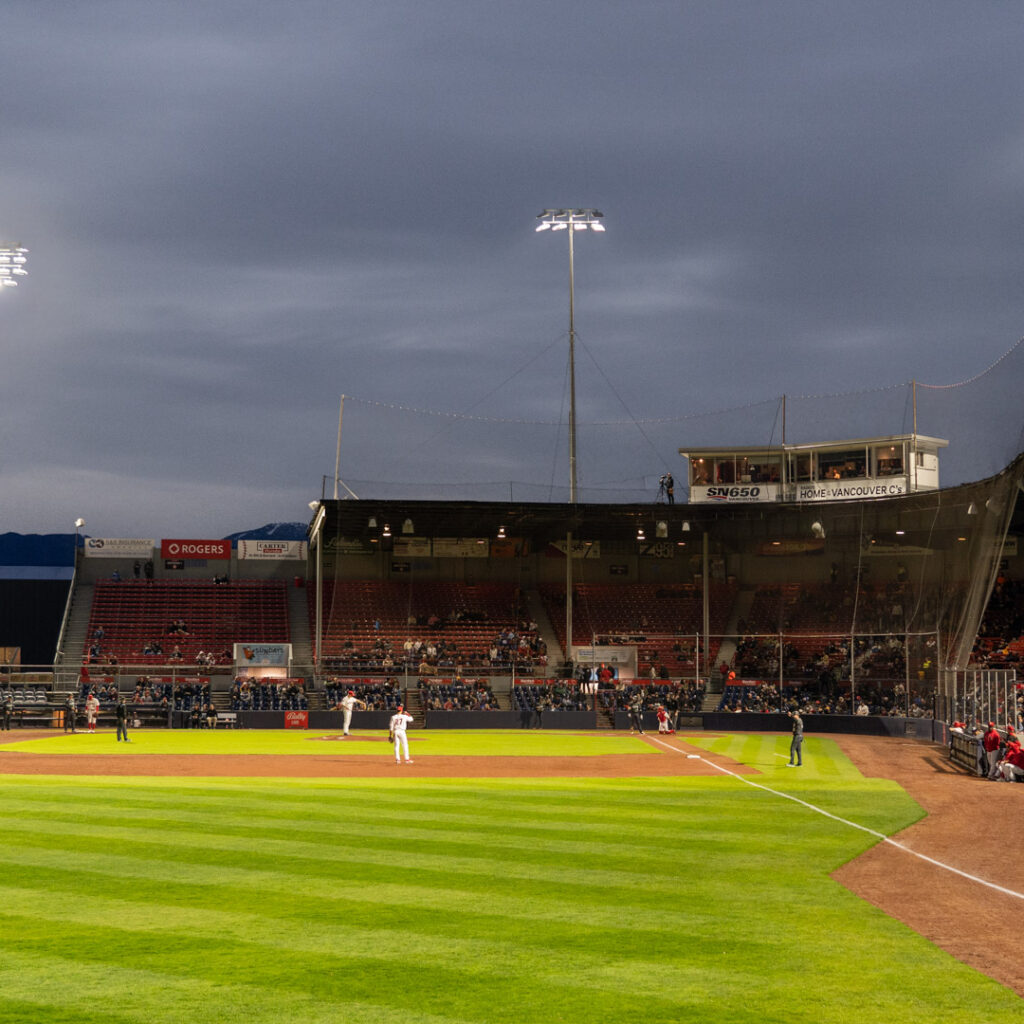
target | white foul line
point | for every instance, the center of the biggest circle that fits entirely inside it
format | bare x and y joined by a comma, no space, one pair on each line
852,824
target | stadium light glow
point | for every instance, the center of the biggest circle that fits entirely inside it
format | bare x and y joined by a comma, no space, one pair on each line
13,258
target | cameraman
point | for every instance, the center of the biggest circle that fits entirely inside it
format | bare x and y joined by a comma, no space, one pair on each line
668,487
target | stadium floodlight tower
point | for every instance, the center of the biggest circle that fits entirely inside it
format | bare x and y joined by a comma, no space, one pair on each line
570,221
13,257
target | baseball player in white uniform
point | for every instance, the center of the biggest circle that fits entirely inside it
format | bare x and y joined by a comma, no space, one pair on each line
92,708
399,720
348,704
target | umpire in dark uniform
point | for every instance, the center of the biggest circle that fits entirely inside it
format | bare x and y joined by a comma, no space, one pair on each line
796,745
121,714
6,710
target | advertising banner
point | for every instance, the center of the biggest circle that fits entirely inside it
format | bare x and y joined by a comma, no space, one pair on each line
740,494
580,548
193,549
510,547
412,547
461,547
844,490
276,550
296,719
252,656
119,547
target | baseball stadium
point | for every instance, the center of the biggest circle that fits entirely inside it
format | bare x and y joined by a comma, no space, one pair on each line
602,813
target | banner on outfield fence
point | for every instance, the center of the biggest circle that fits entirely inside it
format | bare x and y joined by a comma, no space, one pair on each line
296,719
119,547
277,550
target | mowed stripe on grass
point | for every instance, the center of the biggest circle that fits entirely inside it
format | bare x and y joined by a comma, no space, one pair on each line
520,901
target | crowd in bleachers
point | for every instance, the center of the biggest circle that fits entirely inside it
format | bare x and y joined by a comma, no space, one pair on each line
810,700
376,694
550,695
458,695
182,622
251,694
677,698
440,654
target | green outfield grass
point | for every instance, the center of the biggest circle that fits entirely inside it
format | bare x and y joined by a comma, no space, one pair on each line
457,901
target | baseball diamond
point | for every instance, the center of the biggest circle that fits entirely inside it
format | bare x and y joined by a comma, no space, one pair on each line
211,831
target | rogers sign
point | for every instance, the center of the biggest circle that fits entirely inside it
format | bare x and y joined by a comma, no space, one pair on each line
195,549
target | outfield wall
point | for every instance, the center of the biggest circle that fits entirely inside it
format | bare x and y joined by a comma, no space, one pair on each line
857,725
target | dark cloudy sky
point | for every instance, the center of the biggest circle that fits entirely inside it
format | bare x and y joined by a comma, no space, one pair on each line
239,211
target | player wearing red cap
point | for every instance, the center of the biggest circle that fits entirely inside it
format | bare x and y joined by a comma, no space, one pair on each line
399,720
348,703
92,708
1011,768
991,742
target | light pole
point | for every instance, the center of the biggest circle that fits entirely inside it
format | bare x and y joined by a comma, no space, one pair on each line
316,536
570,221
79,523
13,257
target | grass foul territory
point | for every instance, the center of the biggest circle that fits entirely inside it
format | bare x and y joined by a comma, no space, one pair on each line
415,901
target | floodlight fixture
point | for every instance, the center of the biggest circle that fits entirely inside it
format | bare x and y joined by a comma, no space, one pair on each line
407,527
13,258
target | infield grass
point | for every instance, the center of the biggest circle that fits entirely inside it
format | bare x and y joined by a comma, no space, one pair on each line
451,901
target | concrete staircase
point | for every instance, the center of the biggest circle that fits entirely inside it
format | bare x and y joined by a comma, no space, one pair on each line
72,642
298,628
539,614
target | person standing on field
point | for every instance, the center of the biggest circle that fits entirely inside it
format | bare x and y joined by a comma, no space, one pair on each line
796,745
121,711
70,710
348,704
92,709
6,711
399,720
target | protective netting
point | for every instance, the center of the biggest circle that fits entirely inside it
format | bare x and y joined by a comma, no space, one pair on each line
513,445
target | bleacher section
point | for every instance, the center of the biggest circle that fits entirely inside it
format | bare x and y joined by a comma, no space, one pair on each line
133,615
661,619
365,622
